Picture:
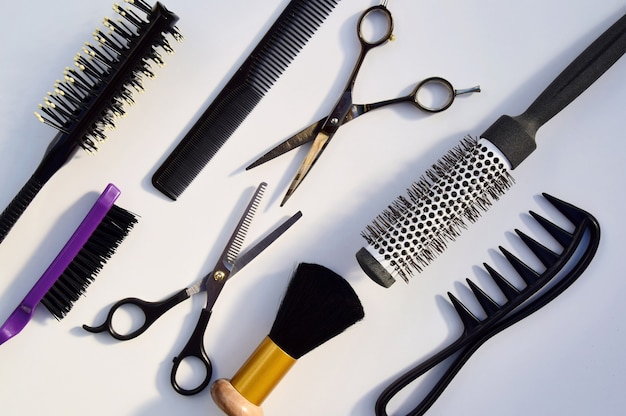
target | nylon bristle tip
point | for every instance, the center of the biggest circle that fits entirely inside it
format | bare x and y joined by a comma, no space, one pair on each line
105,76
416,228
318,305
84,268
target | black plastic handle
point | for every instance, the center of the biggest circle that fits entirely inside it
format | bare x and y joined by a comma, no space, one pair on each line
151,312
515,136
18,205
194,349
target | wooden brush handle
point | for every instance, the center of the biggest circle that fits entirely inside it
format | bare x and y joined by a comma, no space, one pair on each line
231,402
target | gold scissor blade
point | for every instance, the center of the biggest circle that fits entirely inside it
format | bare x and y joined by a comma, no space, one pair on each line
304,136
320,142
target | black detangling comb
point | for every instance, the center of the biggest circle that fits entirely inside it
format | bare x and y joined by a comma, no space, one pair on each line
269,59
579,248
415,229
93,94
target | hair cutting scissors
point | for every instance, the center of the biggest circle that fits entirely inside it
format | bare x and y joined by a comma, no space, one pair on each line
229,263
322,131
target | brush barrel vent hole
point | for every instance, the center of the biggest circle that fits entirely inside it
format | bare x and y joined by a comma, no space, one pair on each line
127,319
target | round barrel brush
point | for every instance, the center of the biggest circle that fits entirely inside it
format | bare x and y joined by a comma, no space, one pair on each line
416,228
318,305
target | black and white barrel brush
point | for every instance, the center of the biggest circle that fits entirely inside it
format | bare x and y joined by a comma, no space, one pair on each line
95,92
416,228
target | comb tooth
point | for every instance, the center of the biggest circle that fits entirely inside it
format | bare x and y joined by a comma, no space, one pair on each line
563,237
508,290
489,305
467,317
529,275
544,254
574,214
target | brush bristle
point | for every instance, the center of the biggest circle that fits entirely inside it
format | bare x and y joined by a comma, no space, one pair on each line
94,94
318,305
416,228
79,274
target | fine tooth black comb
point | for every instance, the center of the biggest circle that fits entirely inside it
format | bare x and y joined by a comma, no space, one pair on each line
415,229
94,93
579,248
280,45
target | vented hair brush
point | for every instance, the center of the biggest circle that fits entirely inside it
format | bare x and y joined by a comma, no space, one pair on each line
95,92
416,228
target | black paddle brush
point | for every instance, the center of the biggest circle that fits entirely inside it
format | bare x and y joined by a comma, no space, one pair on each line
318,305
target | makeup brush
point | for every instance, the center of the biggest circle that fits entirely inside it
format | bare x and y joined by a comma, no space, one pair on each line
416,228
318,305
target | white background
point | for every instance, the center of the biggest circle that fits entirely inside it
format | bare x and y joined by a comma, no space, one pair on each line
566,359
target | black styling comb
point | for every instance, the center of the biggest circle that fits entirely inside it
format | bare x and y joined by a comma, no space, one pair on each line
93,94
540,289
280,45
466,181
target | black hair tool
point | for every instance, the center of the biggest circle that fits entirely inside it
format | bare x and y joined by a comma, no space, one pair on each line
415,229
269,59
540,289
318,305
93,94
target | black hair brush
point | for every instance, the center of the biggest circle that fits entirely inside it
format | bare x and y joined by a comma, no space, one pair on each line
318,305
92,95
415,229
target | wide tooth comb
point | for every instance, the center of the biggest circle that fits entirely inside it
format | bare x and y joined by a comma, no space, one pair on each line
563,237
489,305
520,302
508,290
470,321
529,275
543,253
573,213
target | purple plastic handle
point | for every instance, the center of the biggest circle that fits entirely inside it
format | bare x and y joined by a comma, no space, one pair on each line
24,312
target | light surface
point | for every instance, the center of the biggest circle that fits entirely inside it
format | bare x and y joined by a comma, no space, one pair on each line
566,359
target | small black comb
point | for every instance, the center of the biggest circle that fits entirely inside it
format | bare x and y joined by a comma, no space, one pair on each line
520,303
280,45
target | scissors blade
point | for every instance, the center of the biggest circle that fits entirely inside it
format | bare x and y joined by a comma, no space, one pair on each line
258,248
303,136
215,280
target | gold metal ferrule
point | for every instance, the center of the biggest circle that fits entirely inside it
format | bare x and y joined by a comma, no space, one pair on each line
258,376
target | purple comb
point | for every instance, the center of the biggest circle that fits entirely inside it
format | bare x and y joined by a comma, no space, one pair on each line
63,282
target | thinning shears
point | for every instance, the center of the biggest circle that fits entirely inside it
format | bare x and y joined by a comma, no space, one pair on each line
322,131
229,263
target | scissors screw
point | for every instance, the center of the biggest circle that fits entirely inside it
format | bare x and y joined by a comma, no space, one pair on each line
219,276
334,120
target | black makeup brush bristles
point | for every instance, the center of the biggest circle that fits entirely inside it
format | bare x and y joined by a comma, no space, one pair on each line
318,305
83,269
95,92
